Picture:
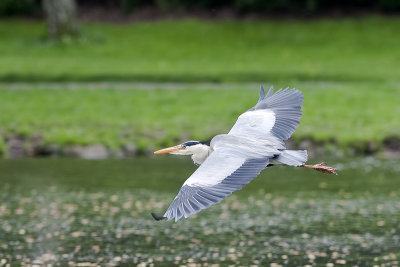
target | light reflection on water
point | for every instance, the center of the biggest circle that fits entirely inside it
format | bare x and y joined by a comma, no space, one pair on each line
89,213
368,164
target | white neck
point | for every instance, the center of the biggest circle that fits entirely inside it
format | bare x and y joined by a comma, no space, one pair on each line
200,153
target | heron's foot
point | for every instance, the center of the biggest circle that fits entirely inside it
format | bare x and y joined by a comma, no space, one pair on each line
321,167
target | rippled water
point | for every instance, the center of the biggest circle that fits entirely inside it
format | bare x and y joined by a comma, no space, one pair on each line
89,213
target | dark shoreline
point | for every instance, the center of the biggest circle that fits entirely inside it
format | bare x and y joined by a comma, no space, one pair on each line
18,146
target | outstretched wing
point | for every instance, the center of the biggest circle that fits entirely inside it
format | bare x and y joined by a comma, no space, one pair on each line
226,170
242,154
276,113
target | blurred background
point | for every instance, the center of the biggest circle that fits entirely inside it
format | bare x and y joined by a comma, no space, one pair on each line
115,80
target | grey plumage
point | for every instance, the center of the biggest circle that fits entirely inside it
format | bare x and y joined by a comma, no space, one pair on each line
286,104
293,158
240,156
191,199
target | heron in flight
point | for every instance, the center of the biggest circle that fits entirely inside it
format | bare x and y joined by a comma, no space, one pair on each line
230,161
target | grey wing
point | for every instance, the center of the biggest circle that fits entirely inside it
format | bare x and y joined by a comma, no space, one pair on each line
276,113
224,172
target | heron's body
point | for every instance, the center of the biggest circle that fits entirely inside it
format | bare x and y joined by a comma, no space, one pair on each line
232,160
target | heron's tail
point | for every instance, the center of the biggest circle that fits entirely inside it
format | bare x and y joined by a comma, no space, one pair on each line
292,157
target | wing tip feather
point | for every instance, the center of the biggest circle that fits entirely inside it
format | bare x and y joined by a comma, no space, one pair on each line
157,217
262,93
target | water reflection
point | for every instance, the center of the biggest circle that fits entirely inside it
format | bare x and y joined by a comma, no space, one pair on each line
89,213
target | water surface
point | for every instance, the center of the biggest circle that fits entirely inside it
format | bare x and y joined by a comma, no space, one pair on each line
88,213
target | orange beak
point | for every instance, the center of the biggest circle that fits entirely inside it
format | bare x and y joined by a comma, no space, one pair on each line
167,150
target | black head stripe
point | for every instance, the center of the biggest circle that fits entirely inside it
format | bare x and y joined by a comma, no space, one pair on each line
191,143
207,143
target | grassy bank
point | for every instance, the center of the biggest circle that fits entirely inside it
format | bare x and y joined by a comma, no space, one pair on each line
348,70
153,115
363,49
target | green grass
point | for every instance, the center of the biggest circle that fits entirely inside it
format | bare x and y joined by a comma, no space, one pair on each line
348,69
76,212
362,49
154,115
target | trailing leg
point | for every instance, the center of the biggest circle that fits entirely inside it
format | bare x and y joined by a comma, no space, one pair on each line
321,167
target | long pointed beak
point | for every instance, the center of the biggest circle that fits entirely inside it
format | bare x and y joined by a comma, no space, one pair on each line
167,150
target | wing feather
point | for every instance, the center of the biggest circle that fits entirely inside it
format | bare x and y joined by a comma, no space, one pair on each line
277,114
193,198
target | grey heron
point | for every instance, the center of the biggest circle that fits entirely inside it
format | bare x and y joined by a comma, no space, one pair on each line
230,161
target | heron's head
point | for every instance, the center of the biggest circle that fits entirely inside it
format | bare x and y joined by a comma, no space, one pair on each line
187,148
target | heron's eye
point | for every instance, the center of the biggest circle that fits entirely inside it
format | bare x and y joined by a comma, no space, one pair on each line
183,146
